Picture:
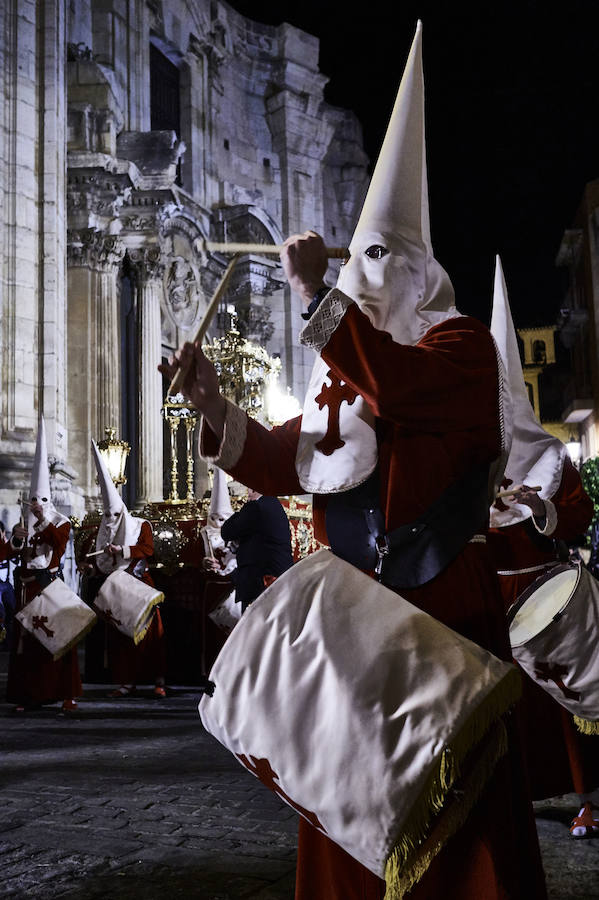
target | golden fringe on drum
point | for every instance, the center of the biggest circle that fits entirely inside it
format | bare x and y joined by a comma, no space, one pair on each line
423,837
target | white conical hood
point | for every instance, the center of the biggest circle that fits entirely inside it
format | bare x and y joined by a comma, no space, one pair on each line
117,525
404,292
40,472
111,499
220,501
39,490
536,457
407,291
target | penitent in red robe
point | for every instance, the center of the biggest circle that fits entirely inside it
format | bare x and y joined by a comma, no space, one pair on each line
33,676
129,663
559,758
437,415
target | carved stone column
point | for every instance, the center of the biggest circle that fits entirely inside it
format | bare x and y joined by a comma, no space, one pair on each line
150,269
94,372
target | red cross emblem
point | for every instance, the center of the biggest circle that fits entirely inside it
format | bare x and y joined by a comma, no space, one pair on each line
261,768
548,672
110,618
333,396
40,622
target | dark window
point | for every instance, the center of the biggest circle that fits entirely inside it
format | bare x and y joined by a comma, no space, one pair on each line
165,96
539,352
226,143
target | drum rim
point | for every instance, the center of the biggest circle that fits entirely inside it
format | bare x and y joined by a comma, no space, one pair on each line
536,584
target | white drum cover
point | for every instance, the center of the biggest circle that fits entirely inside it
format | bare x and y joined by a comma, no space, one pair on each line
227,614
57,617
128,603
555,637
355,706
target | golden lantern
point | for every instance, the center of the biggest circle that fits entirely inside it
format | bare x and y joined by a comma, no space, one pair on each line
114,453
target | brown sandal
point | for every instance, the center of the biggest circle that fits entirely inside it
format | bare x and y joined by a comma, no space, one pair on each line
585,825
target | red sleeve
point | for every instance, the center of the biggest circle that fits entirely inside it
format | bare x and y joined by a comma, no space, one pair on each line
434,386
573,505
144,547
57,538
267,463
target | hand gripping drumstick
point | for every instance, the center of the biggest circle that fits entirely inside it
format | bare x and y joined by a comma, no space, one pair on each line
180,374
267,249
513,491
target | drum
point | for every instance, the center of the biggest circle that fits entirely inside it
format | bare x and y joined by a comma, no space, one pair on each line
226,614
127,603
554,633
57,617
359,710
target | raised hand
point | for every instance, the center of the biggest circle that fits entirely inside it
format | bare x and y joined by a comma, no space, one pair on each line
200,383
305,260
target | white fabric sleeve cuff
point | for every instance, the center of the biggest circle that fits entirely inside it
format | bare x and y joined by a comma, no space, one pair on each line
550,519
233,439
126,552
41,526
20,545
321,325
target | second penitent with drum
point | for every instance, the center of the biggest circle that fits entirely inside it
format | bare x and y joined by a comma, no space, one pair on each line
123,544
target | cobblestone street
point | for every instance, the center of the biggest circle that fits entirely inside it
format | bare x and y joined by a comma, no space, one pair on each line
132,799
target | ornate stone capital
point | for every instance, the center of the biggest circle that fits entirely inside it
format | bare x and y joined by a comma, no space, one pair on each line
92,249
149,263
95,197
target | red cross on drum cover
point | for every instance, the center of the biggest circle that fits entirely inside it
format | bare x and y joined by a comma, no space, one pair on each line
554,672
262,769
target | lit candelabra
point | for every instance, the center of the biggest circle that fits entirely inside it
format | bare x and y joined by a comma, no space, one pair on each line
245,371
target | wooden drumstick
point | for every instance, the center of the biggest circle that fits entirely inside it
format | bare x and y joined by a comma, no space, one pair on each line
267,249
513,491
180,374
95,553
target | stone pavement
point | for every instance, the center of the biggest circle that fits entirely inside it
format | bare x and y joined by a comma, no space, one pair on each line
130,798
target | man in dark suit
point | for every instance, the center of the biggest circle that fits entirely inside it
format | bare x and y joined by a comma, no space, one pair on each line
261,531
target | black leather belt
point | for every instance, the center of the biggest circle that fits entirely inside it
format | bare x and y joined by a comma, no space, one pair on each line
414,553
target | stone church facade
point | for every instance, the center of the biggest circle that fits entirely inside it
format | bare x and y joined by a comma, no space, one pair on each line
133,131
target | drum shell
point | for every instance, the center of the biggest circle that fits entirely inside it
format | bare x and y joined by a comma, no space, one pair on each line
127,603
346,695
60,611
563,657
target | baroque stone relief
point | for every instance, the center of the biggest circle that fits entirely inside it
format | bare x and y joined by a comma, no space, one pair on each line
183,293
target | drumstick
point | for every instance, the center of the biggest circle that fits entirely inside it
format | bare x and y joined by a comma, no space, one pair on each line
267,249
212,556
96,553
204,325
513,491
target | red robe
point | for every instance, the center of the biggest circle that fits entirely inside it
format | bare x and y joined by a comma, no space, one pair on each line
33,676
130,663
437,416
559,758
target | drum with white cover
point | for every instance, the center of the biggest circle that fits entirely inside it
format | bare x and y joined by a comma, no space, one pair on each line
360,710
57,617
128,603
554,633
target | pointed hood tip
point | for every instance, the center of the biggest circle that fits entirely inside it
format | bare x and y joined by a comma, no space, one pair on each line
536,456
220,499
111,499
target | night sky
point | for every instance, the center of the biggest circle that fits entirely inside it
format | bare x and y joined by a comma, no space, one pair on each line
512,108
